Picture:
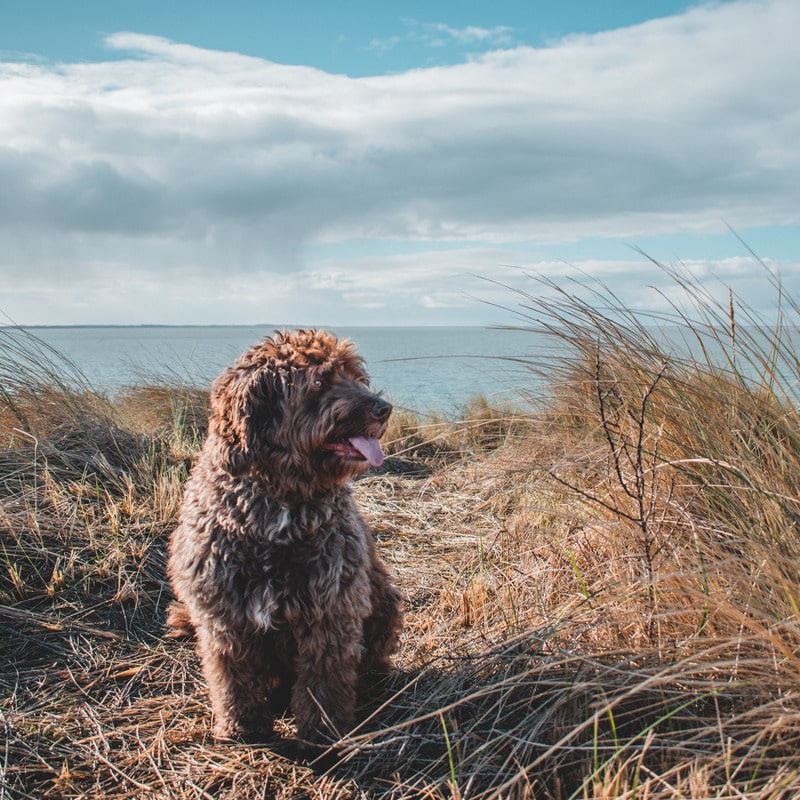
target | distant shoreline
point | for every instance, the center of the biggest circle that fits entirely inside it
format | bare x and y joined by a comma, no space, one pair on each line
266,325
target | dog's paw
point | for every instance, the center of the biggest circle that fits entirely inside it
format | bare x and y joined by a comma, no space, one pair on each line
251,731
320,757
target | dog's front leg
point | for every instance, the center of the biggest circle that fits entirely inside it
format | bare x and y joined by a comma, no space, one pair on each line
324,694
383,625
236,688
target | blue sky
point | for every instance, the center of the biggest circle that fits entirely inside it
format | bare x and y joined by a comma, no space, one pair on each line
355,38
354,163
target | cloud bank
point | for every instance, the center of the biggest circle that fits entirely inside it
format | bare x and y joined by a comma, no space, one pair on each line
170,166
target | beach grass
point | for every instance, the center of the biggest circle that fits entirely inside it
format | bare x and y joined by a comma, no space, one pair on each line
602,588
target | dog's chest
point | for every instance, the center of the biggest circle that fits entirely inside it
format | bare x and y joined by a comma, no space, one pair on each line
306,561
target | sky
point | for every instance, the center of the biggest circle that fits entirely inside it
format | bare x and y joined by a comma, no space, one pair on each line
390,164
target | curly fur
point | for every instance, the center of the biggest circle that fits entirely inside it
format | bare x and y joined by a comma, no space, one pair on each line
272,565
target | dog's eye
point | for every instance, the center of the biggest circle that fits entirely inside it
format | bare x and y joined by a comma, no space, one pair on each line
317,384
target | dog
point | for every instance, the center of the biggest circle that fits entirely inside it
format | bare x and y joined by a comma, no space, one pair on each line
273,568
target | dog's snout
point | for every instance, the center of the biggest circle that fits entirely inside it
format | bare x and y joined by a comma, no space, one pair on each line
381,409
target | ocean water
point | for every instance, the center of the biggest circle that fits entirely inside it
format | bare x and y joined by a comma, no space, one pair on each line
422,369
432,369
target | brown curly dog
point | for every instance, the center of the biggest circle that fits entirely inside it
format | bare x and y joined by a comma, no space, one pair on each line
272,565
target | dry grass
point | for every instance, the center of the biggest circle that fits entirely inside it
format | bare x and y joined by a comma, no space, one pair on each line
602,593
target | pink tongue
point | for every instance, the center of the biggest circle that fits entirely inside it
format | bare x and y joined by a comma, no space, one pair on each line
369,448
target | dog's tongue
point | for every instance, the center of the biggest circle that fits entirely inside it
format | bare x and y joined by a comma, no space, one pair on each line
369,448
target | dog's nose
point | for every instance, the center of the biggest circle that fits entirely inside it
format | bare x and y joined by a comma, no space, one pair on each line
380,409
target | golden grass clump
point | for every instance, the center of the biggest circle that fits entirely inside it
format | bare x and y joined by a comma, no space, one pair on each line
602,590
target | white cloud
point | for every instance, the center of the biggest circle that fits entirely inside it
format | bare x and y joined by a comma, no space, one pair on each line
179,161
463,284
439,34
383,46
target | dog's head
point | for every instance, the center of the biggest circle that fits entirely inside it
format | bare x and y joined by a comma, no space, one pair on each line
297,408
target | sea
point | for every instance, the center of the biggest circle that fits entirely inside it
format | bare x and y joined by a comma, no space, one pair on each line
426,370
422,369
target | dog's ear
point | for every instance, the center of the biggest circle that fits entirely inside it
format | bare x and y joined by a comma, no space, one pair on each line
245,408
